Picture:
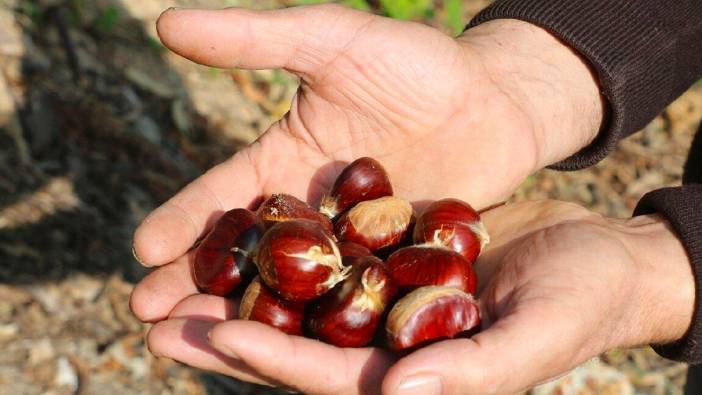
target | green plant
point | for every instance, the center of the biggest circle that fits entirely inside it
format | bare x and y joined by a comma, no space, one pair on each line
108,18
454,15
406,9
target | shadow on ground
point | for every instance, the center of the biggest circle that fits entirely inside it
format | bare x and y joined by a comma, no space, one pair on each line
98,131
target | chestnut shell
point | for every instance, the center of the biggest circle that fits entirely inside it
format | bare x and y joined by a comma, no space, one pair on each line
363,179
376,223
452,223
299,260
430,314
349,314
283,207
222,260
418,266
349,251
261,304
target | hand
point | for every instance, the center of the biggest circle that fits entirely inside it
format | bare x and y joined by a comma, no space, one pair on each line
561,286
468,118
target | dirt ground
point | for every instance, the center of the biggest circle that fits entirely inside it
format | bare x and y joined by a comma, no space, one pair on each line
99,124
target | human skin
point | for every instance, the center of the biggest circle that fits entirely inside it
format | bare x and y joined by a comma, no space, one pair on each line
561,285
469,118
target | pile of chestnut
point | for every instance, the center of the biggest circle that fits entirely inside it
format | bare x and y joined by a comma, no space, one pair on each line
320,273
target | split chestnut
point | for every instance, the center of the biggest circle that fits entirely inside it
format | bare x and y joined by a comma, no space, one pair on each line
349,314
376,223
261,304
222,260
418,266
363,179
454,224
429,314
282,207
299,260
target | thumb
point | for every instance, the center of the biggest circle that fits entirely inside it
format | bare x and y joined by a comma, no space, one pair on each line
517,352
300,39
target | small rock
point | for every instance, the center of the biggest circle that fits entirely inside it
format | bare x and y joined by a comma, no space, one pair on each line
8,331
66,375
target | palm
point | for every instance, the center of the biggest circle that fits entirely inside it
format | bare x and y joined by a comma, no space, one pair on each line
418,105
554,274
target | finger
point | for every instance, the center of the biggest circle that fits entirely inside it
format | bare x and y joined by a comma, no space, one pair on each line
300,39
305,365
206,308
170,230
157,293
517,352
185,341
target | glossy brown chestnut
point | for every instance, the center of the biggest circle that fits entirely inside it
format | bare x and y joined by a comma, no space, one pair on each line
261,304
375,223
223,257
283,207
349,314
349,251
363,179
418,266
454,224
431,313
299,260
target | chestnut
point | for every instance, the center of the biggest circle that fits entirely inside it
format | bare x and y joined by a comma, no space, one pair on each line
431,313
349,314
283,207
223,256
299,260
454,224
375,223
261,304
363,179
349,251
418,266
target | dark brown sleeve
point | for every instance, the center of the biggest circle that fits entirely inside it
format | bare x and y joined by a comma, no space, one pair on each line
682,206
645,53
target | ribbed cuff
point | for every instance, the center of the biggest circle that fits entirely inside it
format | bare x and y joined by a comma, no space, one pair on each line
635,47
682,207
693,166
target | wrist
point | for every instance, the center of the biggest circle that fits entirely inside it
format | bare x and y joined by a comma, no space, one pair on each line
663,305
548,80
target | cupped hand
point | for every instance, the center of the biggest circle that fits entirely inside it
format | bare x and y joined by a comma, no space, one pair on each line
561,285
464,118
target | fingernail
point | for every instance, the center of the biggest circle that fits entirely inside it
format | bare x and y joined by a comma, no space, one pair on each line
142,263
421,384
